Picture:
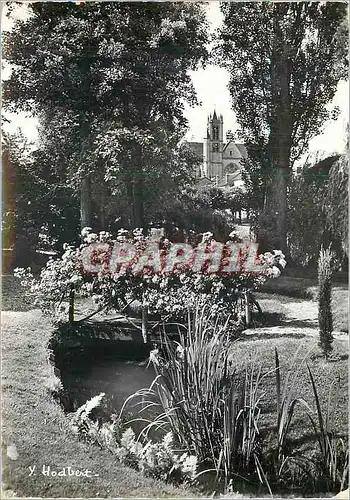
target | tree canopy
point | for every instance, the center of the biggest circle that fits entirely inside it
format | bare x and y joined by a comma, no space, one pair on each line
111,80
284,71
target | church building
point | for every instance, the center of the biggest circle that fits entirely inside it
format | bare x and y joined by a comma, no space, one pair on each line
221,161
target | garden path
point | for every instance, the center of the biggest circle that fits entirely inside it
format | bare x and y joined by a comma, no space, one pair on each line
297,318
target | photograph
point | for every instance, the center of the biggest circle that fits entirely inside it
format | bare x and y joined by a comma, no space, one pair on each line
174,277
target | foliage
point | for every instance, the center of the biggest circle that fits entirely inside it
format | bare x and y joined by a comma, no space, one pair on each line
195,211
156,459
327,468
198,210
306,217
325,318
211,411
333,459
168,293
36,209
336,201
286,404
279,88
110,81
317,212
20,219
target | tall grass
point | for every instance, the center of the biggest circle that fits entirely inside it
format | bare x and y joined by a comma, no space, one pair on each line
333,463
211,409
285,405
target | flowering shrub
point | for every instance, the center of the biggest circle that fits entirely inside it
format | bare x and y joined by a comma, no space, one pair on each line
169,291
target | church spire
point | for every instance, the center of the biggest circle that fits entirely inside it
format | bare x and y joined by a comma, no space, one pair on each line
214,115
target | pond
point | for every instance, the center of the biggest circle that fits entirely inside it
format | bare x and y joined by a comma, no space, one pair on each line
92,366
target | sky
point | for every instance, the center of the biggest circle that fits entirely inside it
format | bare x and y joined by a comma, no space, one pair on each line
211,87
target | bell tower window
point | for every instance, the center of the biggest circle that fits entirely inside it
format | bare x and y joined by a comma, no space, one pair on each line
215,133
215,147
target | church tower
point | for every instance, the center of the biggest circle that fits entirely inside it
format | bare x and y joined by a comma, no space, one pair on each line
213,147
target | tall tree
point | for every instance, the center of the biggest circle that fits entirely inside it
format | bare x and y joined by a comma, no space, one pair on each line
111,68
285,61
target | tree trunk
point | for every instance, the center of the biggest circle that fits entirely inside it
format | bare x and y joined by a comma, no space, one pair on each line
85,183
280,137
277,206
85,202
144,323
71,306
102,211
138,206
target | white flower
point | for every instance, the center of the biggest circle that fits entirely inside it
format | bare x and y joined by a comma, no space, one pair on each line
122,232
88,287
275,271
283,263
85,231
91,238
153,356
164,283
207,236
96,298
168,440
157,234
104,235
189,464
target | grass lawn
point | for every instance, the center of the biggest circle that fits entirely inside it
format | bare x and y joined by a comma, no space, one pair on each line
297,351
37,426
340,309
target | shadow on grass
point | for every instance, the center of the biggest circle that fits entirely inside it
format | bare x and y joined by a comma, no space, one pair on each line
336,358
273,318
300,323
267,335
13,297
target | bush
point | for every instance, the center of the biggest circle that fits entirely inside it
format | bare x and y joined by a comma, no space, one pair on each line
318,213
336,201
197,210
168,294
325,319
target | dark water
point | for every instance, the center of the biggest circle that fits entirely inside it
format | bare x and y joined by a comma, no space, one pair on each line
117,379
88,370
